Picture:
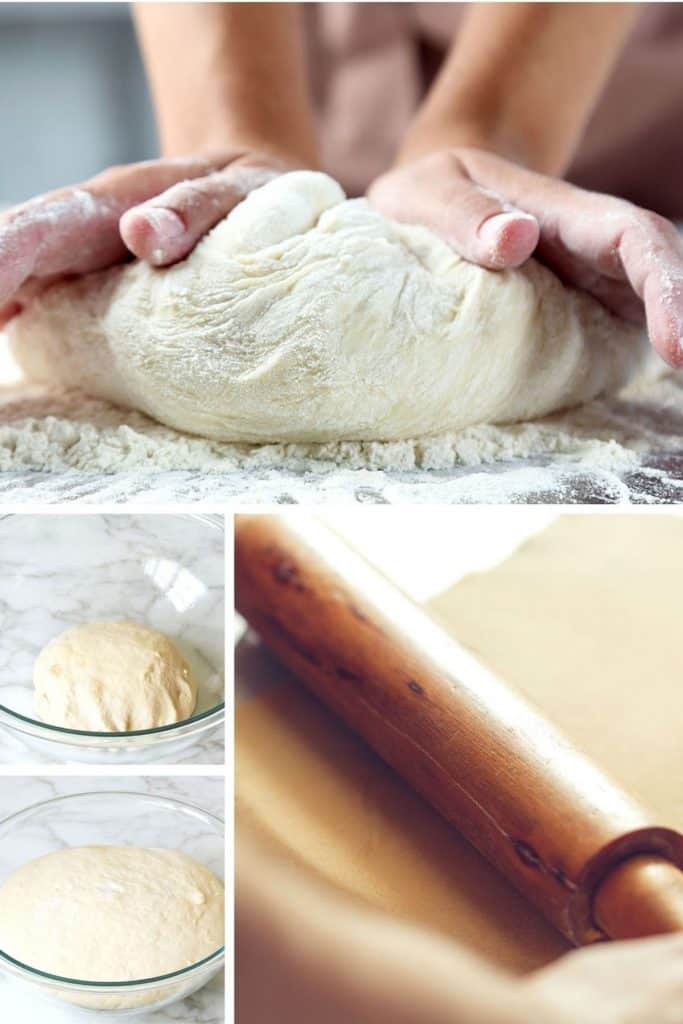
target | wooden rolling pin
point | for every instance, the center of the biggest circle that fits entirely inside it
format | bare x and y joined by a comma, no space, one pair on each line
564,834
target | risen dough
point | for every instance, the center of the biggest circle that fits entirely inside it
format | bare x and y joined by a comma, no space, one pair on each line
111,913
112,677
305,317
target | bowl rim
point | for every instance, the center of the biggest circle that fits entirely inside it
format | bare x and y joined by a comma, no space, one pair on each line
18,967
58,733
37,726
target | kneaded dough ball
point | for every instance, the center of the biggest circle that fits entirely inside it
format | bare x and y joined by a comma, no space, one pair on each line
112,677
112,913
304,316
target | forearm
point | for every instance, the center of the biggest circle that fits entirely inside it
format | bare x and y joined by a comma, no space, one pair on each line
521,80
306,952
228,75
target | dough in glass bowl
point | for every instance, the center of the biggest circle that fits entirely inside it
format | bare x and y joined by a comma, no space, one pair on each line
113,677
112,913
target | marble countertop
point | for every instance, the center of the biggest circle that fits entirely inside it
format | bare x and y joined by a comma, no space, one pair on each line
207,1006
659,480
165,571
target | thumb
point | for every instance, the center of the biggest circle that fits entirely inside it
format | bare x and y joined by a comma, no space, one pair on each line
477,223
166,229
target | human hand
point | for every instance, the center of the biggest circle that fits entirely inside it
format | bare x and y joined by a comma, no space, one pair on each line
158,210
635,982
497,214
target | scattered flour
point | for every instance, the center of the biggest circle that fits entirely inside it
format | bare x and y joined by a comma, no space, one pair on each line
56,431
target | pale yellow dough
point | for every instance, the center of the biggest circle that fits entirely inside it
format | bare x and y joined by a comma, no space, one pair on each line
112,913
113,677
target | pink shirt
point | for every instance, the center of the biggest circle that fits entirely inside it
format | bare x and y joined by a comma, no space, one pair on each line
371,64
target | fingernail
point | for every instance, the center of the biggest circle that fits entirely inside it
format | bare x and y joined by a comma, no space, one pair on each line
492,228
165,223
162,237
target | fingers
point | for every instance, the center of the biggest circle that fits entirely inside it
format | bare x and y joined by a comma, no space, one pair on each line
617,296
9,311
607,237
166,229
75,230
25,295
651,252
500,241
26,234
16,263
476,222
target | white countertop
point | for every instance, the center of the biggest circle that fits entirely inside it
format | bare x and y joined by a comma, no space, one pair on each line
207,1006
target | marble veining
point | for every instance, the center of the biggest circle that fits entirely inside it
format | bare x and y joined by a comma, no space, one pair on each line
207,1006
534,481
164,571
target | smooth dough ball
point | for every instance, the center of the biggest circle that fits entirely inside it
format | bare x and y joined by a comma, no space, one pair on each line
112,913
112,677
307,317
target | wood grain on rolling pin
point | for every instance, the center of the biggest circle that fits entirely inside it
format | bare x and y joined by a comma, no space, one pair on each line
553,823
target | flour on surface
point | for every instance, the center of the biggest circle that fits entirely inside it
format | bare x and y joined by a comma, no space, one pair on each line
57,431
63,446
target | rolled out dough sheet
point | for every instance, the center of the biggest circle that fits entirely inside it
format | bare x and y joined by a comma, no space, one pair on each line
585,620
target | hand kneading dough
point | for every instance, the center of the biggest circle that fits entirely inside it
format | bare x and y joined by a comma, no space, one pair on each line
112,913
112,677
305,317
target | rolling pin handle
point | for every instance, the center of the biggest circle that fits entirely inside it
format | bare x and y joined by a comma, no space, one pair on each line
642,896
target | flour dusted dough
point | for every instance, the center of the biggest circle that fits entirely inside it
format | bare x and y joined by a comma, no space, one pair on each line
307,317
112,913
112,677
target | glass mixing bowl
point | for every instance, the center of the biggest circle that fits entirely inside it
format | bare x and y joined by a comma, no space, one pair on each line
116,819
164,571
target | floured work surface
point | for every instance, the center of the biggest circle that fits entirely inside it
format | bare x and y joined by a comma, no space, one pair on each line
59,446
584,619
